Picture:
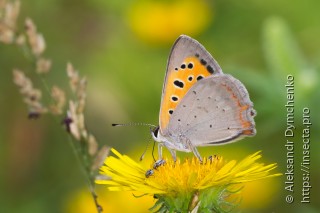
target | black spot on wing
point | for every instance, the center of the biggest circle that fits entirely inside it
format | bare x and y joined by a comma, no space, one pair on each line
178,83
203,62
174,98
210,69
199,77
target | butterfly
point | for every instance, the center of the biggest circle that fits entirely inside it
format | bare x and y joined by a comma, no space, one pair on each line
200,105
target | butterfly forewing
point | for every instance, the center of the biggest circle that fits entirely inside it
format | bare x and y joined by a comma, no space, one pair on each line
215,110
188,63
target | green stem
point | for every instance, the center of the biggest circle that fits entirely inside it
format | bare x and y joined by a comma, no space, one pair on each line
84,164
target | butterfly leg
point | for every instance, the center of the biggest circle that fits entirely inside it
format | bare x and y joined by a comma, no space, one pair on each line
194,150
173,154
160,145
160,161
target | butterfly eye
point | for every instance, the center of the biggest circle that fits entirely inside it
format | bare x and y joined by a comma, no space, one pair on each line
155,132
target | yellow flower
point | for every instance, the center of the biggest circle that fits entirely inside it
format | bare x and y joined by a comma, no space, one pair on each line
162,21
80,201
183,184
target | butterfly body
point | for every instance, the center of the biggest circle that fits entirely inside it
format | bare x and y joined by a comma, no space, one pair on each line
200,106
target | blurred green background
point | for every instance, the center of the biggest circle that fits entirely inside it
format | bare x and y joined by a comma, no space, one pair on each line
122,48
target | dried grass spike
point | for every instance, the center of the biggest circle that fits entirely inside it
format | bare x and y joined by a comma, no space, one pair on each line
73,77
92,145
74,128
21,40
9,12
12,11
19,78
59,97
101,156
36,40
43,65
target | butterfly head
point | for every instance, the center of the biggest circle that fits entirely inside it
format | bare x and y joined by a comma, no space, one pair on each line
155,133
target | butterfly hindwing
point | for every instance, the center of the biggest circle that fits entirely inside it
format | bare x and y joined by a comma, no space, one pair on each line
215,110
188,63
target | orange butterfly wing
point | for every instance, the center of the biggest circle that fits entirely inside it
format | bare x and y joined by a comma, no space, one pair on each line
188,63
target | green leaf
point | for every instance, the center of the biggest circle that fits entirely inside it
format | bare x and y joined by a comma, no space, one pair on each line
281,52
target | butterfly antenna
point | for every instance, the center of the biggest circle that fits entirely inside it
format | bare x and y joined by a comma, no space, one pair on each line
135,124
150,139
